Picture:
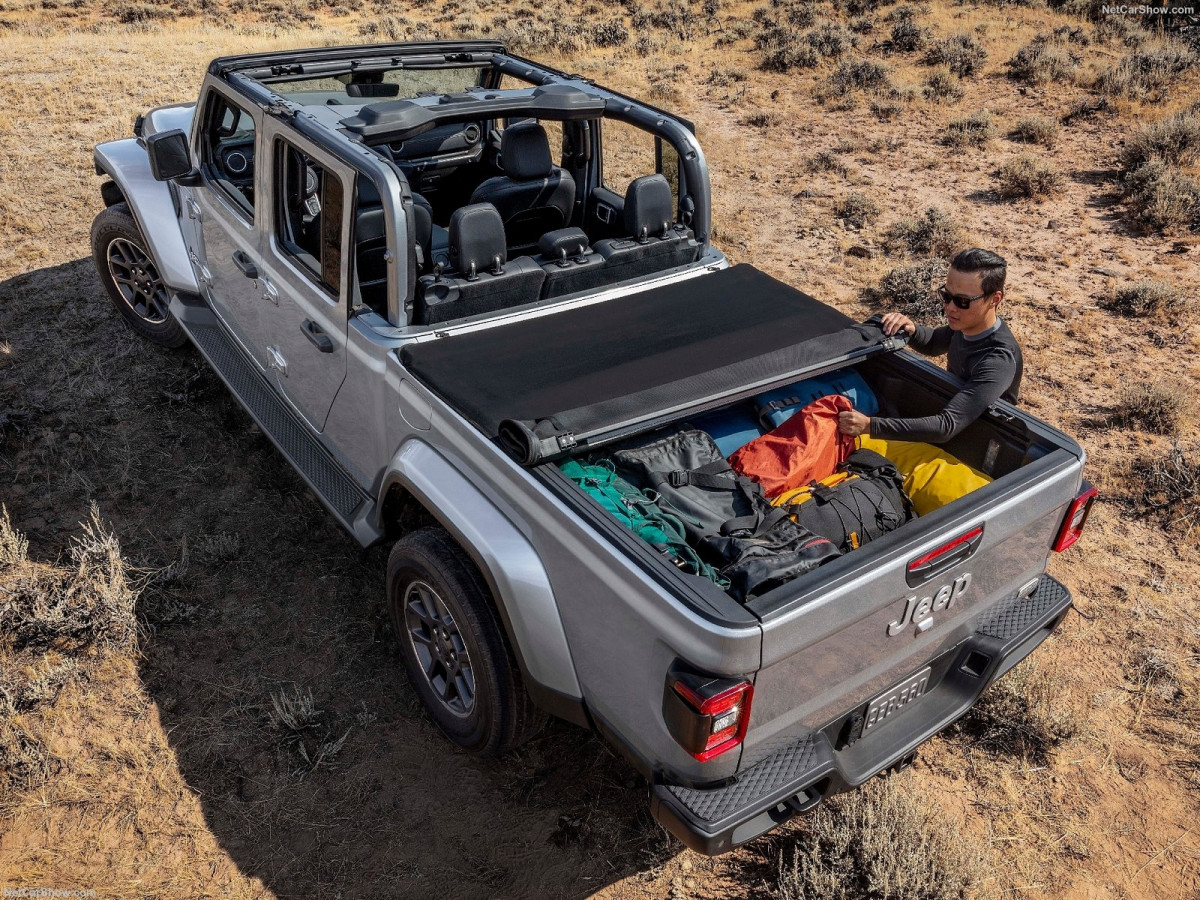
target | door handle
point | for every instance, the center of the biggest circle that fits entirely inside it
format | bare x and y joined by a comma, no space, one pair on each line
320,339
246,264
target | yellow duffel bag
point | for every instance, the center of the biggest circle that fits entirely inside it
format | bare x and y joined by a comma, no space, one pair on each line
932,477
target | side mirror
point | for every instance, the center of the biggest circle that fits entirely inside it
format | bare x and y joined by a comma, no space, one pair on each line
169,155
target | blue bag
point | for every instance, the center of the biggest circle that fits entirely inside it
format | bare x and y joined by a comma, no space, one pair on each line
730,429
776,407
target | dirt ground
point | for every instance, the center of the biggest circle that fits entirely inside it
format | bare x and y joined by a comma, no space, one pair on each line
164,775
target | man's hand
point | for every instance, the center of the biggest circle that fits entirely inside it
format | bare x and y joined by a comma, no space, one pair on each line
853,423
894,321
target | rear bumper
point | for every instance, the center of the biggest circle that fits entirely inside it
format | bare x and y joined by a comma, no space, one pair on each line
796,778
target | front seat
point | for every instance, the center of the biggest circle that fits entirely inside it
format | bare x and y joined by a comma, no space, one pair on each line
534,195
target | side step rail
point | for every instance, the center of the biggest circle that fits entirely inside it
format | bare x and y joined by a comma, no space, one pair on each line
340,494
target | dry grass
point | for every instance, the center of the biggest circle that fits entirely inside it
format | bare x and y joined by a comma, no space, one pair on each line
1035,130
882,841
1044,60
1160,408
1147,298
974,130
1170,489
933,233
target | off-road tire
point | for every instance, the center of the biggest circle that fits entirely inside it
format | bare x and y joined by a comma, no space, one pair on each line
113,230
501,715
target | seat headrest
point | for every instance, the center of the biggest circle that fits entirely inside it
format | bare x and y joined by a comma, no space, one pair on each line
477,240
525,151
563,242
649,206
362,89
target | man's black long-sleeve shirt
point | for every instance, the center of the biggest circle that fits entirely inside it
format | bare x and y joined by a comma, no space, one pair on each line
990,366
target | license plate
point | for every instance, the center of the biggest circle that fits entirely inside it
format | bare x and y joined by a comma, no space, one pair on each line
893,702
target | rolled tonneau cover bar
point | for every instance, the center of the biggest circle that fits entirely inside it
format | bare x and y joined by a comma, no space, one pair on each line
585,376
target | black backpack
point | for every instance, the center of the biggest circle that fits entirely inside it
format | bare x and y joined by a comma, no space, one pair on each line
868,504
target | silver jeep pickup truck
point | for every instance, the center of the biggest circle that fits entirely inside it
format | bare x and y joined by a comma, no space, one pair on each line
409,264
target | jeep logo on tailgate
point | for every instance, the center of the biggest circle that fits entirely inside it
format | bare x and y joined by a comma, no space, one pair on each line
919,611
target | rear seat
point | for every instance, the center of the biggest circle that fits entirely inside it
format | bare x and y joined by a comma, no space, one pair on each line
483,279
569,263
655,243
370,243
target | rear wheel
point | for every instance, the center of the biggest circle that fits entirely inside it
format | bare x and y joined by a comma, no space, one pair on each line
130,275
453,646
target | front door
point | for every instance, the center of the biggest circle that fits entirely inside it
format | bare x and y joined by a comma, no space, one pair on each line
305,262
227,207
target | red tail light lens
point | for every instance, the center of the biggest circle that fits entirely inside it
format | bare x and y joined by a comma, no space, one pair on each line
1076,518
707,716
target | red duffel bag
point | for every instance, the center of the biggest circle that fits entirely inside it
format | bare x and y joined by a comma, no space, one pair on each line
807,447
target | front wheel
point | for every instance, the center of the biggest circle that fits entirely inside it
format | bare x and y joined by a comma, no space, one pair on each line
130,275
453,646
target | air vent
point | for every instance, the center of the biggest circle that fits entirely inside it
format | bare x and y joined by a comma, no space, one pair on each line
472,133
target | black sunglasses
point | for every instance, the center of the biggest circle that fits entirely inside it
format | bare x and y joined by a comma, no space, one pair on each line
958,299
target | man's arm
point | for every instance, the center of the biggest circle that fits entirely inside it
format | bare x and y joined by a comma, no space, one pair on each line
991,379
931,341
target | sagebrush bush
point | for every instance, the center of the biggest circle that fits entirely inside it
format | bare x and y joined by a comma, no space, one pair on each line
1151,407
1158,197
857,209
826,161
763,119
961,53
612,33
1041,61
1028,176
974,130
830,41
933,233
908,36
942,85
1175,139
1146,298
909,289
1146,71
886,110
1035,130
879,841
1170,488
862,75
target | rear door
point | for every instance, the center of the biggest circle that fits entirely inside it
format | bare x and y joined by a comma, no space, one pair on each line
305,264
228,209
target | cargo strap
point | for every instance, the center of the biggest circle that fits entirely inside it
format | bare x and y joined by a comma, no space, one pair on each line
718,476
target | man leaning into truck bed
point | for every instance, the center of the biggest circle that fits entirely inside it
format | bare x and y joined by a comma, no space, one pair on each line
983,353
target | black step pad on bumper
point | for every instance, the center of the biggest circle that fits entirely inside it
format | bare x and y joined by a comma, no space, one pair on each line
798,776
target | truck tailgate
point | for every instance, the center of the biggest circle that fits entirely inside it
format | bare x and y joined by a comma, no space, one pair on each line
842,638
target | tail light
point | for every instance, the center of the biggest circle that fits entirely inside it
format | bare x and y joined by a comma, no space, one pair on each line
707,716
1076,518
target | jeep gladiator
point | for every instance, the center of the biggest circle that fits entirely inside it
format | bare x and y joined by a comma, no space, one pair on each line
422,300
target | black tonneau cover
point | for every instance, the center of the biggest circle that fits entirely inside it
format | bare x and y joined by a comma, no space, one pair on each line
544,385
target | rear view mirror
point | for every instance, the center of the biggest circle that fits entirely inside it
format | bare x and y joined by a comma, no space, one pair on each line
170,157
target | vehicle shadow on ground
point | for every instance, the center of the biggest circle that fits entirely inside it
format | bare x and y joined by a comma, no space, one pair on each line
267,650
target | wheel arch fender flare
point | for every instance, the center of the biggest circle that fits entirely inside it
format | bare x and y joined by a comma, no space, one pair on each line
153,208
518,581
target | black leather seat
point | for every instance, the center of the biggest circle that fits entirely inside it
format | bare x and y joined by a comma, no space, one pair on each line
482,279
533,195
569,263
656,243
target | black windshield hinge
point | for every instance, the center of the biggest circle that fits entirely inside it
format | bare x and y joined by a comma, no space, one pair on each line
288,69
279,109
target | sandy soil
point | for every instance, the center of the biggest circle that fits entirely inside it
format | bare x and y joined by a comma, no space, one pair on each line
168,779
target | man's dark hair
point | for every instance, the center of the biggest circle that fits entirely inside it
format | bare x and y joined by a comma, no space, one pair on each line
992,265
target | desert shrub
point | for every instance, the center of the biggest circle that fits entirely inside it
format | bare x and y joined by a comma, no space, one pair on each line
862,25
612,33
879,841
1146,298
886,110
1072,34
1035,130
961,53
386,28
1158,197
725,77
1147,70
1170,488
762,119
1041,61
1024,714
140,13
1151,407
942,85
830,41
933,233
1028,176
645,45
861,75
1087,108
909,288
783,51
974,130
908,36
826,161
1175,139
857,209
860,7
